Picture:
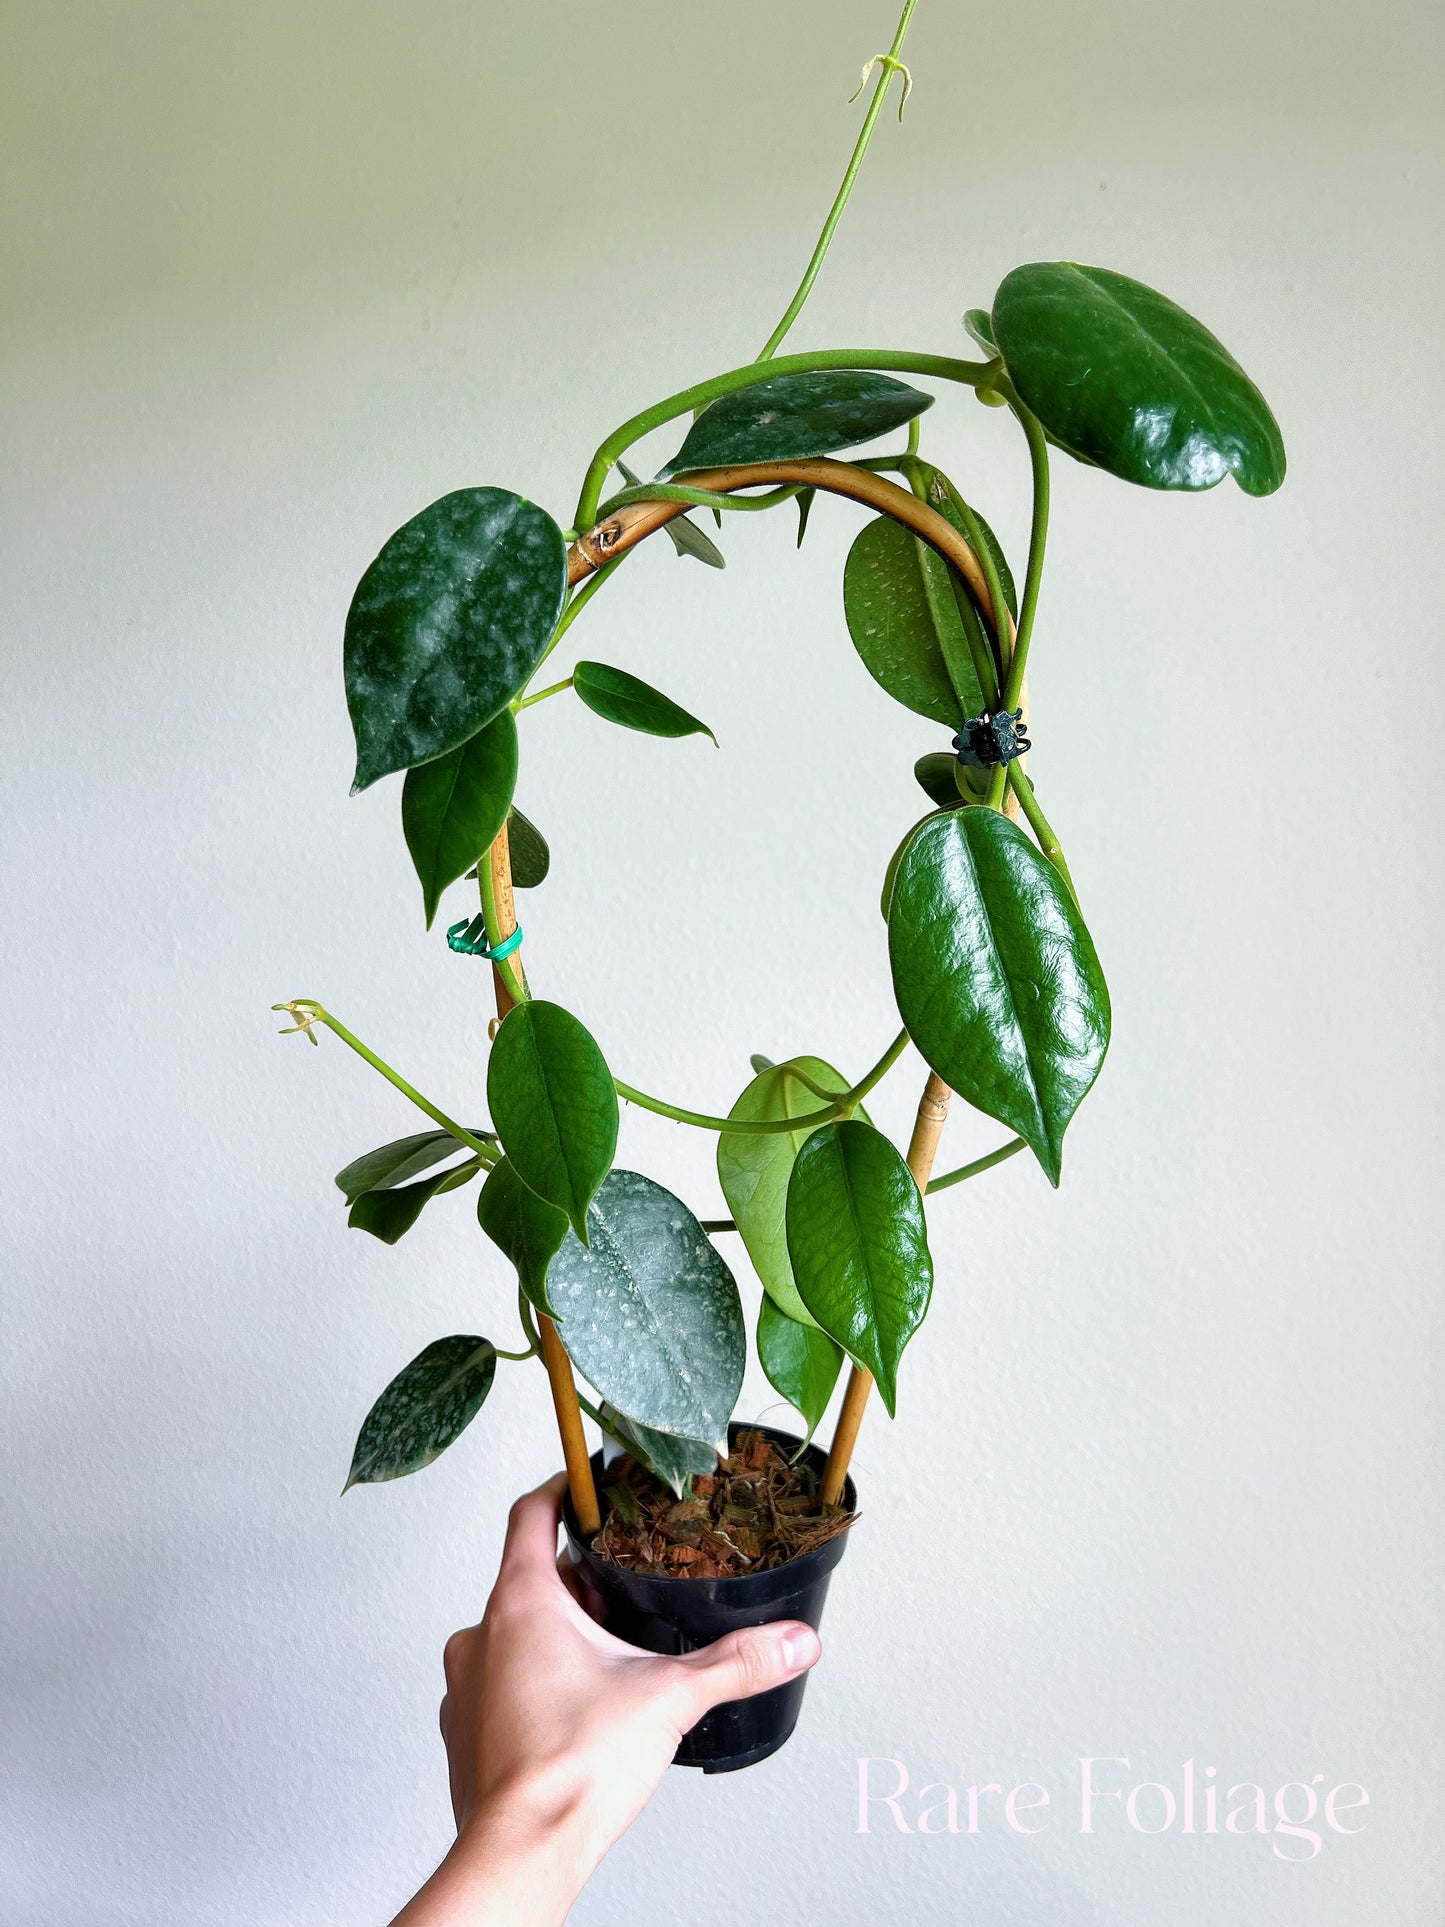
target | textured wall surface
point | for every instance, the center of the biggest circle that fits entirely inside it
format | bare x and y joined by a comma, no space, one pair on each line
1165,1482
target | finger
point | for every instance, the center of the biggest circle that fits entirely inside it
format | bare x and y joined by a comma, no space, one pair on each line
532,1528
743,1663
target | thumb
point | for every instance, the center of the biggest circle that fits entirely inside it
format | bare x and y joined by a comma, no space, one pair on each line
743,1663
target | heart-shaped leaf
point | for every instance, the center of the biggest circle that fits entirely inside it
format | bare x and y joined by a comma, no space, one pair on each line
754,1170
554,1106
392,1164
453,807
996,976
389,1213
447,625
899,602
1122,377
801,1362
531,859
673,1460
424,1408
620,698
788,418
527,1229
651,1315
859,1246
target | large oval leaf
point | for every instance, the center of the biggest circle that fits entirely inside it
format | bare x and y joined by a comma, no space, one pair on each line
996,976
524,1227
554,1106
801,1361
650,1313
899,603
754,1171
447,625
859,1246
1122,377
453,807
620,698
424,1408
788,418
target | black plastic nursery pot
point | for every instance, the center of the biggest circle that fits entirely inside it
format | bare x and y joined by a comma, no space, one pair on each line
664,1615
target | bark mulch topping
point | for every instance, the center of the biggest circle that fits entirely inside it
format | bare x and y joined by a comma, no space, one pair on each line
755,1512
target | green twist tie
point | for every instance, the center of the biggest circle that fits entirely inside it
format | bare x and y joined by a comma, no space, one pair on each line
470,940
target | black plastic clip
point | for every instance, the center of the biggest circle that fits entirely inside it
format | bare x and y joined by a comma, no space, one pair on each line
994,737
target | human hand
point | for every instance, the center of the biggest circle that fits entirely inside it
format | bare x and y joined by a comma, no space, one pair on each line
557,1733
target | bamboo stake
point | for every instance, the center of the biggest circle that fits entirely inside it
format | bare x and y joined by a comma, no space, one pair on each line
554,1355
636,520
922,1149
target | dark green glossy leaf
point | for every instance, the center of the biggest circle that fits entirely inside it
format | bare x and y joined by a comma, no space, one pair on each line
687,538
791,417
424,1408
651,1315
554,1105
801,1362
859,1246
754,1170
890,875
673,1460
453,807
447,625
1122,377
392,1164
531,859
905,624
996,976
980,326
627,700
524,1227
759,1062
389,1213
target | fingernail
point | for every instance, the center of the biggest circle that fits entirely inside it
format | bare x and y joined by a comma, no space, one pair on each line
801,1646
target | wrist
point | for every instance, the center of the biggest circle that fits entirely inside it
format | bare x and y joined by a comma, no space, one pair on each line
526,1853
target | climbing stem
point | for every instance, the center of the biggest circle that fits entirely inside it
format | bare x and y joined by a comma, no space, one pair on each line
704,498
1038,537
307,1012
835,213
686,400
578,602
1011,1149
879,1071
1023,789
736,1127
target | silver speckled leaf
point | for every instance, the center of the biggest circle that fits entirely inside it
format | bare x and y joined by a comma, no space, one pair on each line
428,1404
447,624
651,1313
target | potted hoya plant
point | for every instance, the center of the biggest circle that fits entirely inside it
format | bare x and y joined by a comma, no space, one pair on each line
468,617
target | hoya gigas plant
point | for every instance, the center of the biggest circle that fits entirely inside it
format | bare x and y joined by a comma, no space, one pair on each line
460,625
